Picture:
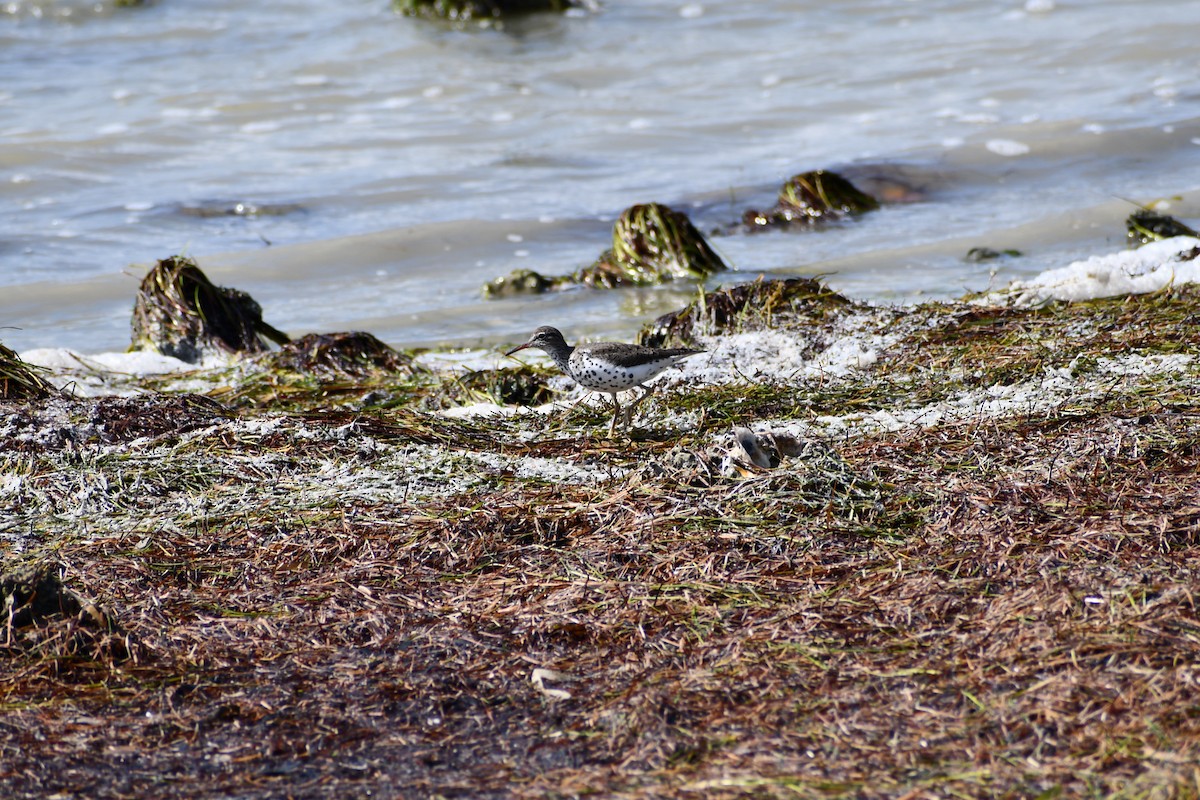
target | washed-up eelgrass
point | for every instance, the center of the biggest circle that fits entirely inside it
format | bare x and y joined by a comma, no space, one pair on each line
747,305
522,386
179,312
320,369
939,597
20,380
813,197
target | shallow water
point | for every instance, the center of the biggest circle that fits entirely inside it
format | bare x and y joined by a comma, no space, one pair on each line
398,164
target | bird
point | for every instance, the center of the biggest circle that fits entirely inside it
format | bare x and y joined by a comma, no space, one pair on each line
611,367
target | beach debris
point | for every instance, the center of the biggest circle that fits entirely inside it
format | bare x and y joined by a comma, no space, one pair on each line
652,243
484,10
1144,226
277,559
748,454
540,676
20,380
811,197
746,306
42,616
179,312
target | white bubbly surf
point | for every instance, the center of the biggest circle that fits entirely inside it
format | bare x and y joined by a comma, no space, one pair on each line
1150,268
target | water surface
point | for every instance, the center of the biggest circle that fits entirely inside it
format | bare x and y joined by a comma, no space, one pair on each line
397,164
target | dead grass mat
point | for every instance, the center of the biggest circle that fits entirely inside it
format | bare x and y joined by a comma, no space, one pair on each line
1000,610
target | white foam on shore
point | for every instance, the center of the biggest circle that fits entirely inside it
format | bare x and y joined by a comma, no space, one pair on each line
1149,268
1136,364
100,374
786,355
137,363
1038,396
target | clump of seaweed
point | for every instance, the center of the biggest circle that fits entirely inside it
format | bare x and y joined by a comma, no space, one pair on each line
20,380
748,305
44,618
469,10
354,354
239,208
652,243
1144,226
179,312
307,373
977,255
811,197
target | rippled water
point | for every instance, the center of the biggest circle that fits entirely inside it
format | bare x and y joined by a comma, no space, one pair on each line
397,165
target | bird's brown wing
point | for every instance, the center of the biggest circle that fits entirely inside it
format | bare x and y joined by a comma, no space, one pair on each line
629,355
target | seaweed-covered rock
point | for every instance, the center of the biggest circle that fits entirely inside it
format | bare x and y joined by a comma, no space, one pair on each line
1144,226
354,354
812,197
524,281
20,380
652,243
739,307
466,10
179,312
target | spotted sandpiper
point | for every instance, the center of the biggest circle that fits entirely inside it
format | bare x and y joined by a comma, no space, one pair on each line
611,367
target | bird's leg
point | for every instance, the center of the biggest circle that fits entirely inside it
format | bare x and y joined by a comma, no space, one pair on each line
647,391
612,428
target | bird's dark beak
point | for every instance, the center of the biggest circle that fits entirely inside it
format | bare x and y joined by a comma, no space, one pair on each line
518,347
